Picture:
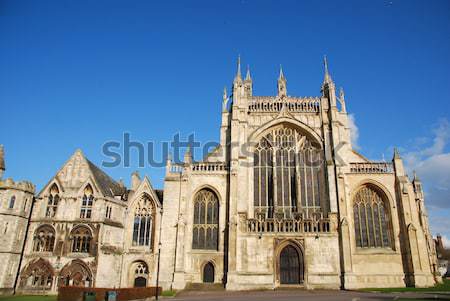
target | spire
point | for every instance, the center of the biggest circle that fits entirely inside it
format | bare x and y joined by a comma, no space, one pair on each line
327,77
415,177
2,161
238,73
2,158
282,89
224,99
247,76
281,77
224,96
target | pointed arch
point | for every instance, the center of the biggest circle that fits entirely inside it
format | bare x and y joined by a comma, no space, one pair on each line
256,135
37,274
206,220
81,237
139,274
52,201
372,217
87,202
144,210
75,273
289,262
44,239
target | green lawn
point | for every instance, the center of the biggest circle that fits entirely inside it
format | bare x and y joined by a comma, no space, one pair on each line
444,287
28,298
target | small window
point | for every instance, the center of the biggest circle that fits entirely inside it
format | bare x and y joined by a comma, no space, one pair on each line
12,201
108,212
87,202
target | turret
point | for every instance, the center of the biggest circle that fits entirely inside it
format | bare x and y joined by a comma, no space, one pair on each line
282,89
342,100
2,162
417,184
398,164
188,155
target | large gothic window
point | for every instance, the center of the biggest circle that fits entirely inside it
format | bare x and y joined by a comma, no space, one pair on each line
81,240
44,239
372,226
87,202
288,174
52,202
206,220
143,222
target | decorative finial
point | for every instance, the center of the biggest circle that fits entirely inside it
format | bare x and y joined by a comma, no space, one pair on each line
247,76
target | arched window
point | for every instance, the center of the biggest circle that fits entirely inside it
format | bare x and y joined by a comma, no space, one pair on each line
37,275
87,202
143,222
288,174
12,201
140,273
81,240
206,220
53,200
44,239
371,216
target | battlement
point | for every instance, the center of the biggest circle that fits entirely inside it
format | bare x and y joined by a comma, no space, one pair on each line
25,186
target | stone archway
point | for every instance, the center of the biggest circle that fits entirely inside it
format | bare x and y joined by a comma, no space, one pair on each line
208,273
37,275
75,273
290,266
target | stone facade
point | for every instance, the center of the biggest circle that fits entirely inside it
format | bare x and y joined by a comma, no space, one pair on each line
284,200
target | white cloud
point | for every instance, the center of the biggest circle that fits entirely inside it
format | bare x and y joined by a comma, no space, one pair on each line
432,165
428,157
354,132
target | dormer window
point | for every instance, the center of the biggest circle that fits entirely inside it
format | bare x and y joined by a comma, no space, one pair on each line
87,202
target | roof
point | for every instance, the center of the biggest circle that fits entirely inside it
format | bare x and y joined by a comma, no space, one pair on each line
160,194
106,184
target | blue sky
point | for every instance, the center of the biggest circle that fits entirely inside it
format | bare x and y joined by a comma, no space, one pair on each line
76,74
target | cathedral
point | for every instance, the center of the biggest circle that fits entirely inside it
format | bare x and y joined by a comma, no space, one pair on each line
282,201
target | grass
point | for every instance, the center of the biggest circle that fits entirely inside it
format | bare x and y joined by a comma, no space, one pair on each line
442,287
28,298
170,293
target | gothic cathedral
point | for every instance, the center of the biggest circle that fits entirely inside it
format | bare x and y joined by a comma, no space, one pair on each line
283,200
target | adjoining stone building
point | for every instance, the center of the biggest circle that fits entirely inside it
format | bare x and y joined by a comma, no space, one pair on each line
283,200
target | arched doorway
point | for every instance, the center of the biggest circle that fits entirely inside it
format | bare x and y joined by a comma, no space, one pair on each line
208,273
291,266
140,282
139,274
